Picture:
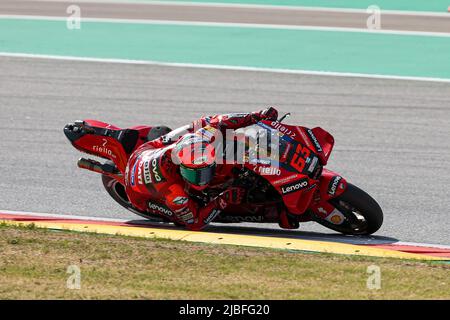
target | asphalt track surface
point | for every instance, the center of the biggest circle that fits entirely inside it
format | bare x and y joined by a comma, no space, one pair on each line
391,136
199,13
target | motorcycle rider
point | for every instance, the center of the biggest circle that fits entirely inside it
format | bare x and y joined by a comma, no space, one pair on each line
160,172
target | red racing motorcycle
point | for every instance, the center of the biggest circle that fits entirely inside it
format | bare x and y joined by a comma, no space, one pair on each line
299,181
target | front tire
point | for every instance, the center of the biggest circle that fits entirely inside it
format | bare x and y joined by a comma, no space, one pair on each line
363,215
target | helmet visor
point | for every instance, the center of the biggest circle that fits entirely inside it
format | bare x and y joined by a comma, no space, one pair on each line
198,176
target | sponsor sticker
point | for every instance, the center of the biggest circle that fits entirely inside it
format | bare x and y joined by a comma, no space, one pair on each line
160,209
314,140
156,171
133,175
287,148
245,218
269,171
285,180
187,216
335,217
211,216
200,160
334,183
139,174
180,200
208,134
313,164
305,138
103,149
147,174
295,186
259,161
284,130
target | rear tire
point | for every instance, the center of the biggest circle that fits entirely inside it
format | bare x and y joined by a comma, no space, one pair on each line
117,191
363,214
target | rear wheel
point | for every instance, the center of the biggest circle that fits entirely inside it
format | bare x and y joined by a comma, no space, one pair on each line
363,215
117,191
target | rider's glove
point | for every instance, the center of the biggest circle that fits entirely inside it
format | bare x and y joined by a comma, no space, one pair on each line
267,114
233,195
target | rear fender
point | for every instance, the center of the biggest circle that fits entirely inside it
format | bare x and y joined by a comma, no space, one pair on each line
101,139
104,147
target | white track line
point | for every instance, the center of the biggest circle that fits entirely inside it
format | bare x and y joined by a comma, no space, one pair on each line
232,25
77,217
262,6
223,67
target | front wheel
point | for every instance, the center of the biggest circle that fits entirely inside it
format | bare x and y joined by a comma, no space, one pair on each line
363,215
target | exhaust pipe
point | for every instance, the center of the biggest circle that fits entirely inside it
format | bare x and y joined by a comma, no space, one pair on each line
96,166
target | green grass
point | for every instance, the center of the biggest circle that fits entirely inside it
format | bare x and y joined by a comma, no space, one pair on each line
34,262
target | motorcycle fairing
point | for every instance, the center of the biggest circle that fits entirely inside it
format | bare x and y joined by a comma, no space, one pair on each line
302,154
316,139
323,142
290,172
106,141
331,185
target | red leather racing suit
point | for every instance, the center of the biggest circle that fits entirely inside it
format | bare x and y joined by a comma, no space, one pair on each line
153,181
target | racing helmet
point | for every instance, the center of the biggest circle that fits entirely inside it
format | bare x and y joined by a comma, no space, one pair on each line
196,156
